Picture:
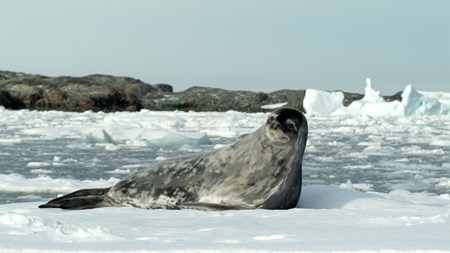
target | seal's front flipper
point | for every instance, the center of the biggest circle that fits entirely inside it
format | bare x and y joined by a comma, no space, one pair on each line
203,206
82,199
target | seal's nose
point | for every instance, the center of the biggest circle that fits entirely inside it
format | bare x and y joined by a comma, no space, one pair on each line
275,124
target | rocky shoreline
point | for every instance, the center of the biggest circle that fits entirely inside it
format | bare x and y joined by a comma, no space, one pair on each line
112,93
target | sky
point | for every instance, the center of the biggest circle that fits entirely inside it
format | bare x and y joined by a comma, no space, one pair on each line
237,45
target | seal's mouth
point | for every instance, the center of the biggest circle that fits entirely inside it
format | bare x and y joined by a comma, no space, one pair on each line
276,135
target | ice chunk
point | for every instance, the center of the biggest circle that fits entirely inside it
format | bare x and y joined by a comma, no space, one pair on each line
322,102
413,103
273,106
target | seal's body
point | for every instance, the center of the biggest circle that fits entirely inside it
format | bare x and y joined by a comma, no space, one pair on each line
260,170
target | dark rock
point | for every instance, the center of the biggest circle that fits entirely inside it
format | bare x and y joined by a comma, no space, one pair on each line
162,87
10,102
214,99
350,97
396,97
110,93
93,92
263,96
294,98
207,99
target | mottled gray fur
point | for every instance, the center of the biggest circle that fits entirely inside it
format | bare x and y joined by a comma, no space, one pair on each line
260,170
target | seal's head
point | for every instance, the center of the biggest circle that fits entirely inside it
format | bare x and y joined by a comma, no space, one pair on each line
284,125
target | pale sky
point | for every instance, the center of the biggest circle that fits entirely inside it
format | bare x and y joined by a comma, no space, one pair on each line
234,44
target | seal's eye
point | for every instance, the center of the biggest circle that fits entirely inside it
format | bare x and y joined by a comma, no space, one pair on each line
271,119
291,126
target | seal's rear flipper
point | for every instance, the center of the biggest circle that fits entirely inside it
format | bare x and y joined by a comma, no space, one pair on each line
82,199
211,206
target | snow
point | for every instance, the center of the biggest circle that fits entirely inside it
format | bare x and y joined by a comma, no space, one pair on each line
330,219
44,183
376,179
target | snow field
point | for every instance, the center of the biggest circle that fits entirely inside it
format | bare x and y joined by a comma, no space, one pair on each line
376,179
330,219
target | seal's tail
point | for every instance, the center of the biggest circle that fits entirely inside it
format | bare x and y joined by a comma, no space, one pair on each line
81,199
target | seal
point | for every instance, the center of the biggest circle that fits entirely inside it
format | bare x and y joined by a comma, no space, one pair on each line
262,169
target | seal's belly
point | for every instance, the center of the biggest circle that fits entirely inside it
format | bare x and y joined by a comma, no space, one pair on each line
153,198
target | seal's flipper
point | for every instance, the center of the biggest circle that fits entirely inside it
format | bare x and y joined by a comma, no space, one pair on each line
211,206
82,199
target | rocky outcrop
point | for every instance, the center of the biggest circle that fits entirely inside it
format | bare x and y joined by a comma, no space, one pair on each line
213,99
110,93
94,92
